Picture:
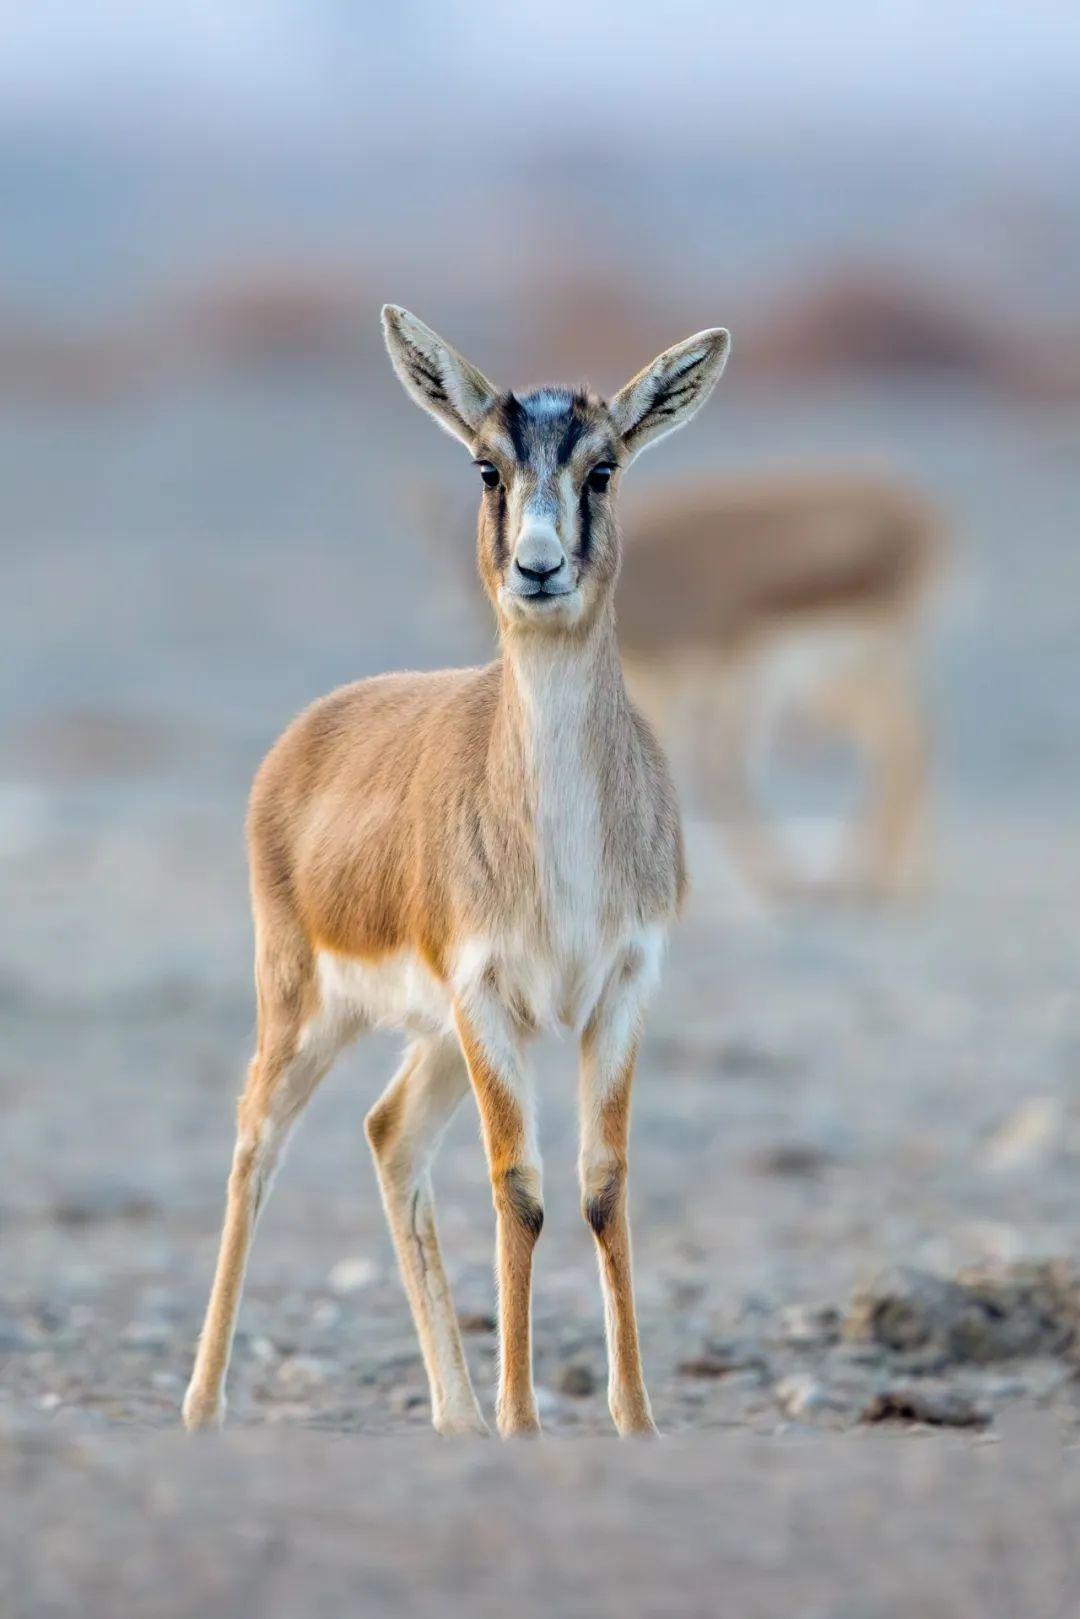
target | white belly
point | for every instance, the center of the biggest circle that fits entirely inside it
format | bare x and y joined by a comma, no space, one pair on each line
396,992
539,988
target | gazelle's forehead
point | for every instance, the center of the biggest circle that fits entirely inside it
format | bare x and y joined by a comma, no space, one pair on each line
543,431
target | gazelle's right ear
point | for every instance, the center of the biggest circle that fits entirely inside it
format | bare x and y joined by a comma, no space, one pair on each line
672,389
436,376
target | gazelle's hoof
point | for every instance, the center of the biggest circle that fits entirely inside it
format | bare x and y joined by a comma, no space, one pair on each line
644,1430
200,1413
520,1428
634,1420
466,1425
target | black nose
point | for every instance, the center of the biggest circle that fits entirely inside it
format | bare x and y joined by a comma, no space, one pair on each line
538,575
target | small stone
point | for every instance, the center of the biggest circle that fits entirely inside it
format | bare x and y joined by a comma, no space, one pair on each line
408,1400
352,1275
792,1160
577,1379
477,1321
325,1313
723,1360
805,1324
146,1335
801,1396
1027,1137
100,1201
936,1407
302,1369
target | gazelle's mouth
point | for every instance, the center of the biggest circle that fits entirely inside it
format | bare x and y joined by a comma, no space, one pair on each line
542,592
541,602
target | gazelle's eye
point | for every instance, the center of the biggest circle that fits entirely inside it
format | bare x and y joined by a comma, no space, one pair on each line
599,478
489,474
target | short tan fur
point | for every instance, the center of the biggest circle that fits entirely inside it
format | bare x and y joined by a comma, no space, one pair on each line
471,856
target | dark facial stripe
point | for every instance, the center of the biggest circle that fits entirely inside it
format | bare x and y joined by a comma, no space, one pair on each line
575,427
499,547
584,523
511,416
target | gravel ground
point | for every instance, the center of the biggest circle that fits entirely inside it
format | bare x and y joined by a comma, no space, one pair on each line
855,1142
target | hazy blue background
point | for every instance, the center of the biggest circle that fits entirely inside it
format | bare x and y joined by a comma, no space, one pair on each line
217,503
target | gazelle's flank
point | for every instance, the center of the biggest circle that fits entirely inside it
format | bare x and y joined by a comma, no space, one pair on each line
470,856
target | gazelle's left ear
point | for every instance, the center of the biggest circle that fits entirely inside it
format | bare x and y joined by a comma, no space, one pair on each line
672,389
440,379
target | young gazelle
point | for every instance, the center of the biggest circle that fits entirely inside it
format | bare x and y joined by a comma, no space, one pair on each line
744,601
470,856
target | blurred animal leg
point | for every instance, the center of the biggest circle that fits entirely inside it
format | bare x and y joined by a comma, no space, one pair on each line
876,705
896,835
740,734
404,1130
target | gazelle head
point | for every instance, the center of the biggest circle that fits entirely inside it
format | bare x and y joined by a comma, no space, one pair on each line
549,462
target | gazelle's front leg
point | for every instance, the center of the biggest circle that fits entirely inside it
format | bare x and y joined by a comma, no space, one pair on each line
492,1049
608,1054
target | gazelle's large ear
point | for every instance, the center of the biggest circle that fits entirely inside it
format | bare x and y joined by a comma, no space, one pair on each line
435,375
672,389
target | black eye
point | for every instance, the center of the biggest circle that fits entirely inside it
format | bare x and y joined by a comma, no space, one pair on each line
489,474
598,479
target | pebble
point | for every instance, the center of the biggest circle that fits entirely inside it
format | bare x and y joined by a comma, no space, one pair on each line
800,1396
937,1407
352,1275
803,1324
1027,1137
577,1379
302,1369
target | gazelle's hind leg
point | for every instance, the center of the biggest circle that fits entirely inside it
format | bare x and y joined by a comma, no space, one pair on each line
404,1130
298,1040
736,738
877,706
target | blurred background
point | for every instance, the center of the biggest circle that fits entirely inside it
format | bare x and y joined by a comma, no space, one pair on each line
219,504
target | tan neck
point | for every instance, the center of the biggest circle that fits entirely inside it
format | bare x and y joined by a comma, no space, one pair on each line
564,700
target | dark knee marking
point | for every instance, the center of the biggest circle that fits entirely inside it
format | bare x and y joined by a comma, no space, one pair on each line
600,1206
380,1125
521,1203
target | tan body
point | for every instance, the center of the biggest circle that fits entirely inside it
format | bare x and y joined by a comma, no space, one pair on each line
471,856
746,601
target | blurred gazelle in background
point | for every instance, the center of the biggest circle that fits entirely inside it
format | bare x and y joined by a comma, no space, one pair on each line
746,605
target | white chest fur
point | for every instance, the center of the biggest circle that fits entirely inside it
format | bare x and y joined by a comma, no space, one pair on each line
555,701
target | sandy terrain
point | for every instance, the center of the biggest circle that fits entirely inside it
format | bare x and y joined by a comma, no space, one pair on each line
823,1097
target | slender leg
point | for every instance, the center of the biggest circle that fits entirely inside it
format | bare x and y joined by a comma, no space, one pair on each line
895,835
877,706
492,1050
289,1062
404,1130
608,1053
740,739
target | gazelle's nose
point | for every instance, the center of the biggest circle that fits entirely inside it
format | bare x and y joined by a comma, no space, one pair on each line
539,553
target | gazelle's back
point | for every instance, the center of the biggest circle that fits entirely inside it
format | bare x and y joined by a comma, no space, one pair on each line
724,561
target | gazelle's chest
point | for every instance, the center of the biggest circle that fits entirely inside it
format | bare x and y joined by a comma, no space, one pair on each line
568,925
